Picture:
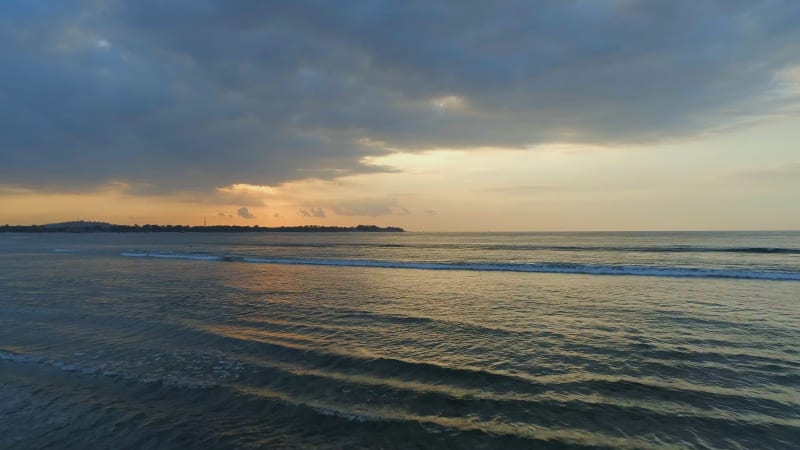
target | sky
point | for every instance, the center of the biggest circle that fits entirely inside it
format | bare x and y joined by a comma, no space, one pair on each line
431,115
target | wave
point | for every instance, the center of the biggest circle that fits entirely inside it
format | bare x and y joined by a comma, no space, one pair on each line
291,406
545,267
385,398
197,257
533,247
567,268
790,251
647,249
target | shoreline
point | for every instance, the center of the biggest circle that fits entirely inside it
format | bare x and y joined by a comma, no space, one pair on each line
111,228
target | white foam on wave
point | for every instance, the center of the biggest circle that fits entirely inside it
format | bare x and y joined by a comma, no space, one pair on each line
16,357
585,269
185,256
197,257
31,359
348,416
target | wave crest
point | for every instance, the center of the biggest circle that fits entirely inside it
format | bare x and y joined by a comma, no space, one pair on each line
544,267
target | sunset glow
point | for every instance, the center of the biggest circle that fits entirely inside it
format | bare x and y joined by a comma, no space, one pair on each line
485,133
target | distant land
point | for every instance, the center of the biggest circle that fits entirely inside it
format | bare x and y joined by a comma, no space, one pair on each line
82,226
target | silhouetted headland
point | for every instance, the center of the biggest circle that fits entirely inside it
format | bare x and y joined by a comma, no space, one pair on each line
100,227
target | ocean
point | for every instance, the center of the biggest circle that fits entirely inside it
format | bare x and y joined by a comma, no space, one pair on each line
400,340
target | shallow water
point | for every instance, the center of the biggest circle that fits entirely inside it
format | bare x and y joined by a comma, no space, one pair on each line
618,340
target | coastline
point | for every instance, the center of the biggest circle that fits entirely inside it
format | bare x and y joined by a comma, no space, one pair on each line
102,227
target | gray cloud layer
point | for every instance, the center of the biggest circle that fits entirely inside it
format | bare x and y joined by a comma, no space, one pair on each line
780,177
368,207
312,212
188,95
245,213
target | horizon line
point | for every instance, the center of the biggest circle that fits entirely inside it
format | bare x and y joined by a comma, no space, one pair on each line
438,231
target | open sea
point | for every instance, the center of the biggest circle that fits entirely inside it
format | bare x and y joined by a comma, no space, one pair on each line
400,340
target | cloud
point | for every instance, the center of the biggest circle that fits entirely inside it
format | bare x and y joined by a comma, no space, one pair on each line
368,207
777,177
312,212
267,92
245,213
430,212
520,189
225,215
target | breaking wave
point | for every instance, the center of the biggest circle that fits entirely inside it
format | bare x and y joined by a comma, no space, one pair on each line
544,267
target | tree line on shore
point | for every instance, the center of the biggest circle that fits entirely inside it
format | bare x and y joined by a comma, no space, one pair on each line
99,227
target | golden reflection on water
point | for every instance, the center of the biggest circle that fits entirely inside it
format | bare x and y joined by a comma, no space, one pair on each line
624,362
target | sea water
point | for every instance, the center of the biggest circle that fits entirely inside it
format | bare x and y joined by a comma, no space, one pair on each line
400,340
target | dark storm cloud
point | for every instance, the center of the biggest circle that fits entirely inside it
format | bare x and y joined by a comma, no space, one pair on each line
190,95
